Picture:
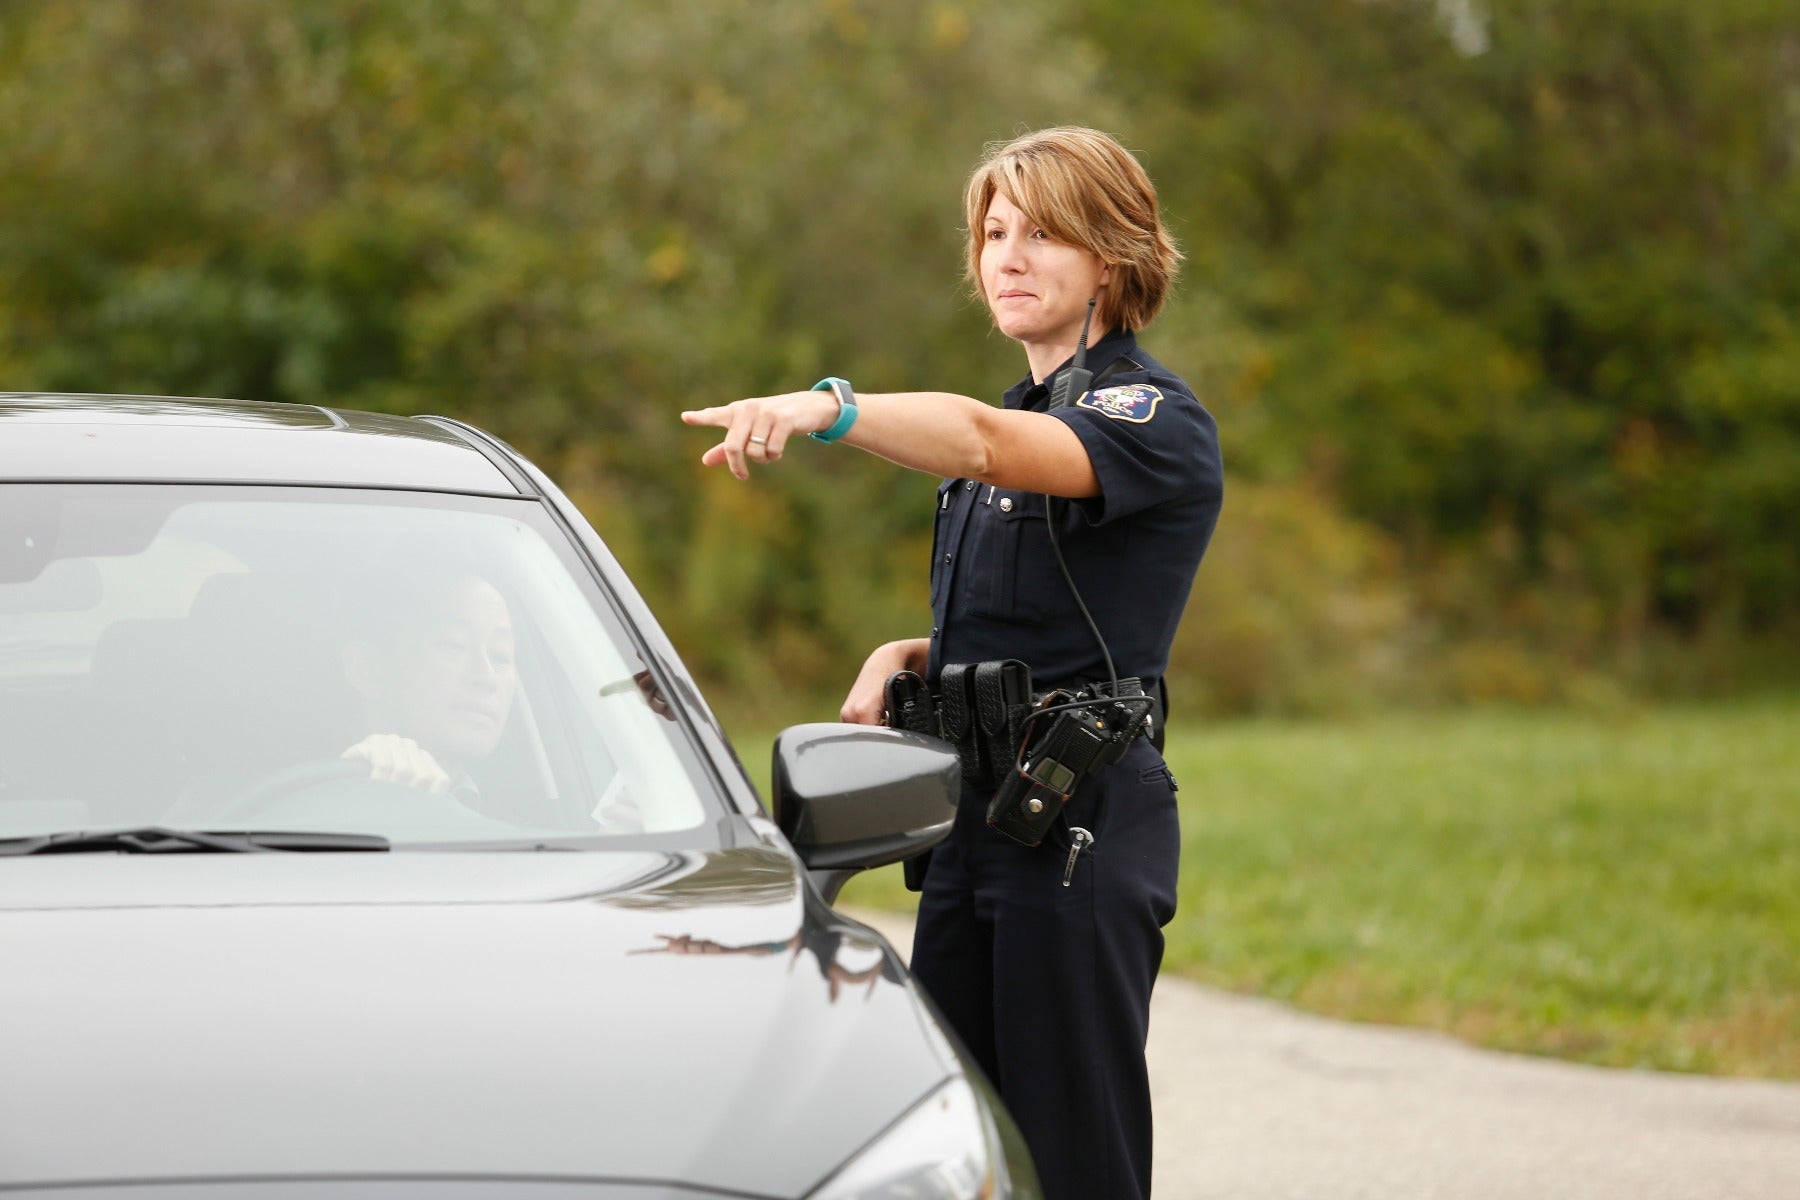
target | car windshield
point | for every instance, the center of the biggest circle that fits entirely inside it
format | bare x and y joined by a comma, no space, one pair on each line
205,657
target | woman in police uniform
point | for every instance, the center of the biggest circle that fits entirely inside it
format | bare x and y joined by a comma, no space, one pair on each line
1043,958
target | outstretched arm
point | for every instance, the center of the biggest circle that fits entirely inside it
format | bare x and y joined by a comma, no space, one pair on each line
939,433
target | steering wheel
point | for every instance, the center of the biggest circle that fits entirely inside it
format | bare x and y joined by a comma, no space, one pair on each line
346,798
272,789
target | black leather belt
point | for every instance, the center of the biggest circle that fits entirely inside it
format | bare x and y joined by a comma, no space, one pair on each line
984,708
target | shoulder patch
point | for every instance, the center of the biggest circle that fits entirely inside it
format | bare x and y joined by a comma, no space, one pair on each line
1134,402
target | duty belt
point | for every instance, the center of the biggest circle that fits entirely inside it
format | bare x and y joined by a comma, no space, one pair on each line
986,708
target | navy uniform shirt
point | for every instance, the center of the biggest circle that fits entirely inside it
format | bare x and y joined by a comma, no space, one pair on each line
996,591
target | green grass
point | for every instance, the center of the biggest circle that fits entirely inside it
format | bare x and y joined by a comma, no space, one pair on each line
1615,888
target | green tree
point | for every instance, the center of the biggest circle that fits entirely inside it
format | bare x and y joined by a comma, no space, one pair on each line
1515,281
1496,301
565,220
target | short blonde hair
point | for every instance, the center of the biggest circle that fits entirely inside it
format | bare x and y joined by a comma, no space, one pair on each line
1082,188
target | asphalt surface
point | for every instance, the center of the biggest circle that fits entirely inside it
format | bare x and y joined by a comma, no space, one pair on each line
1255,1101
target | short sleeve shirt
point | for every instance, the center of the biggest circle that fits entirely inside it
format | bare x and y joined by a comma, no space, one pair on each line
1132,551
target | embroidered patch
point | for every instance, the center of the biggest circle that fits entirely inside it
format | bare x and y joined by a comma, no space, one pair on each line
1134,402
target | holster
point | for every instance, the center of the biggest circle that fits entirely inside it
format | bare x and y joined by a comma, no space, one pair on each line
979,707
910,704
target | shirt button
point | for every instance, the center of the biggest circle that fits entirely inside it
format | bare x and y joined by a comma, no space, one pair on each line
1006,504
946,558
969,486
934,629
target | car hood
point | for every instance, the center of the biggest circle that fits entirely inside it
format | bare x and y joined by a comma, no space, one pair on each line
699,1019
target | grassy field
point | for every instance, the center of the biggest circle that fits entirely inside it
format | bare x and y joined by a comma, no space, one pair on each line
1616,888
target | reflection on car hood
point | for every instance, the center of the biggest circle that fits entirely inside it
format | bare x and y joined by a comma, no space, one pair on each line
688,1018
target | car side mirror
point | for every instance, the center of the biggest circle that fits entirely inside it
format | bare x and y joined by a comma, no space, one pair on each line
851,797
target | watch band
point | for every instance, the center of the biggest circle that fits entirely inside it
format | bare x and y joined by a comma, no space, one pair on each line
846,417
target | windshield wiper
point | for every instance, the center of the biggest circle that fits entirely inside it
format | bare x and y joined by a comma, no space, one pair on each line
159,839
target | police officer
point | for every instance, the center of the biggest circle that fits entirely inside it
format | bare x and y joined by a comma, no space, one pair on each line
1043,958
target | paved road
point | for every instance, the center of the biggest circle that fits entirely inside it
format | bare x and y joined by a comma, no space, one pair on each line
1257,1102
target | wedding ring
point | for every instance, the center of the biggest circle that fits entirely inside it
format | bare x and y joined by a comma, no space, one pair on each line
759,441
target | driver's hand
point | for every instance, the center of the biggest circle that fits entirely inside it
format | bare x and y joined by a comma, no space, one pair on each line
395,759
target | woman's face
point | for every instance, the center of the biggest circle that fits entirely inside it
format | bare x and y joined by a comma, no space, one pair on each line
453,685
1037,288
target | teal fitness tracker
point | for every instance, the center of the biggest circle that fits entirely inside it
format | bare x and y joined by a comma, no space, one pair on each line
846,416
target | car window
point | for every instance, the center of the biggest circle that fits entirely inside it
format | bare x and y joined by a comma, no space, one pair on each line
205,657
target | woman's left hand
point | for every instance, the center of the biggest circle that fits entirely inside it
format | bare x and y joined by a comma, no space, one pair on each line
757,430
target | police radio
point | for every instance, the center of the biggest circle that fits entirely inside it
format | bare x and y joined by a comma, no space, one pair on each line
1089,729
1072,384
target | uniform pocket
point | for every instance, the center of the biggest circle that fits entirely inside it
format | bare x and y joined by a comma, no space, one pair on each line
1087,809
1025,585
1159,774
1094,799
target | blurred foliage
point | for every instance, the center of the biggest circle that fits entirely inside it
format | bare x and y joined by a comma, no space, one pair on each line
1516,284
1496,303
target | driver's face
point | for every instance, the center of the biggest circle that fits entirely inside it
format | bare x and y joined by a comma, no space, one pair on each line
454,678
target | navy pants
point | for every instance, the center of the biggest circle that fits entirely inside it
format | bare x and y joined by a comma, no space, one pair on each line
1049,986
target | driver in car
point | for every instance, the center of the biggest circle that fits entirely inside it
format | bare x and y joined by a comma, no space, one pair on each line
435,689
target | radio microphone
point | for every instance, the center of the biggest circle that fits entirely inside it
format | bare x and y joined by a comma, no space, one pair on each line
1072,384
